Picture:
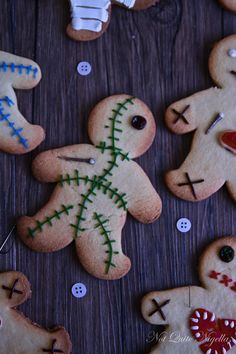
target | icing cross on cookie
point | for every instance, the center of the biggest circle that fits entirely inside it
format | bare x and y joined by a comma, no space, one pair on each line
18,333
16,134
90,18
205,316
211,114
97,185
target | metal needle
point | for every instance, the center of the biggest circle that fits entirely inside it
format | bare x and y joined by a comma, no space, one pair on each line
90,160
6,239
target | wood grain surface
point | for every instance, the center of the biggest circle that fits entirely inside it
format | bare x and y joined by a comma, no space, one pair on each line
158,55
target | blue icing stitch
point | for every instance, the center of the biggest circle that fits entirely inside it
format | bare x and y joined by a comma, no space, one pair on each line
5,117
19,68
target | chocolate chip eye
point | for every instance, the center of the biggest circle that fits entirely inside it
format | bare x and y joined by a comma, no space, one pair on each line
138,122
226,254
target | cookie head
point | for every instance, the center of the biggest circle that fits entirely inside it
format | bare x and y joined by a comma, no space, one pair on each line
222,62
218,265
124,122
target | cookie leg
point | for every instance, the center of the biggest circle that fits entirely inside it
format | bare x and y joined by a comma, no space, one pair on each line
193,184
231,185
100,252
57,340
49,230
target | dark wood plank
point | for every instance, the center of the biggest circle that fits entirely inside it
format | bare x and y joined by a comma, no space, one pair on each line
159,55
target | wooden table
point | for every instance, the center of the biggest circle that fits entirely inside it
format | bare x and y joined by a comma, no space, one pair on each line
158,55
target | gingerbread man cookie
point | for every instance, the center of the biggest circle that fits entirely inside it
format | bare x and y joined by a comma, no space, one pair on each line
211,114
97,185
199,319
229,4
17,136
90,18
18,334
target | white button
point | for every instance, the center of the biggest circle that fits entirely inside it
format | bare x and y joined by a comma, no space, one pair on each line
184,225
84,68
79,290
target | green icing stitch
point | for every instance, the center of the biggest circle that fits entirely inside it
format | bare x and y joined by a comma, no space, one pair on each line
104,185
102,226
115,152
48,220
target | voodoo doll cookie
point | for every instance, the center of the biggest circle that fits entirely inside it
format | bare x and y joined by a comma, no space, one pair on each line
17,136
96,186
211,114
18,334
90,18
199,319
229,4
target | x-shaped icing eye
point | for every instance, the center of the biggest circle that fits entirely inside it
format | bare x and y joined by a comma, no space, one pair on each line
232,53
138,122
226,254
12,289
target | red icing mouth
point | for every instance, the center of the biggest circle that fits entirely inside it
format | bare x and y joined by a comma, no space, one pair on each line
228,140
217,335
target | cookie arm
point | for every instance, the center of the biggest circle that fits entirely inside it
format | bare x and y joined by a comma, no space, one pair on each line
50,165
184,116
171,306
47,167
144,203
14,289
18,72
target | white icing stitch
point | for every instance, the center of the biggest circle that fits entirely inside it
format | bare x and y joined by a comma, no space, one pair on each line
89,14
92,25
127,3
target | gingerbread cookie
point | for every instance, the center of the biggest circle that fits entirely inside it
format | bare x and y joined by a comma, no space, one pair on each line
97,185
90,18
199,319
229,4
18,334
211,114
17,136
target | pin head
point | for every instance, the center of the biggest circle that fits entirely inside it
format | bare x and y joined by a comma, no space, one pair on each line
232,53
92,161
